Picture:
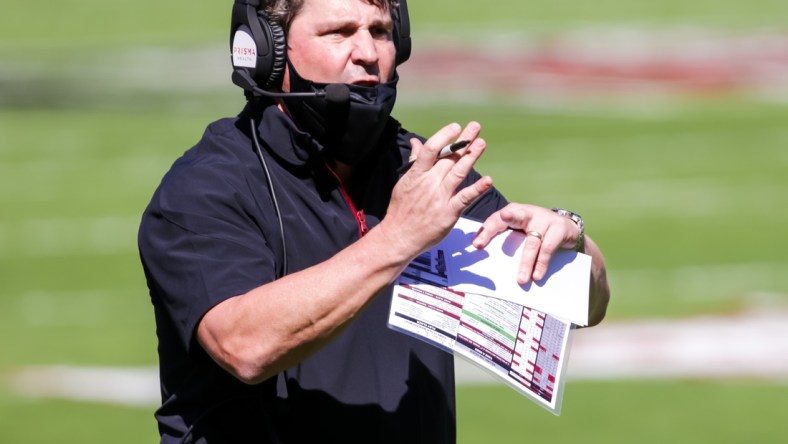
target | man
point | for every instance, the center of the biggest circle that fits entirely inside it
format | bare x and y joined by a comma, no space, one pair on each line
269,248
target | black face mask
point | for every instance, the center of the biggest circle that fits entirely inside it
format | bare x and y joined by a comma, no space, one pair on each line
349,129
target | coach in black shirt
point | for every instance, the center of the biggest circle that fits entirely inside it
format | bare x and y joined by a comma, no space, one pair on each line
269,247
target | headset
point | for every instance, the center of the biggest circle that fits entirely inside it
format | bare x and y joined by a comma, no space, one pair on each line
259,48
259,55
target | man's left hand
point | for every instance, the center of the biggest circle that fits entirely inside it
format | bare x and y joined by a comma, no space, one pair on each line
546,233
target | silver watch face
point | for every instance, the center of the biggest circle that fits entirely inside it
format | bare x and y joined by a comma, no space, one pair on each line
570,214
578,221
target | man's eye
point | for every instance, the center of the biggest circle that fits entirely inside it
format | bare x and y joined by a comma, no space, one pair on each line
381,32
341,31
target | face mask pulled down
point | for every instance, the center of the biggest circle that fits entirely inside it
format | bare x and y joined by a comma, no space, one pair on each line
347,129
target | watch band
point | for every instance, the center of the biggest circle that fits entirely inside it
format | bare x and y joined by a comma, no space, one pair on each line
581,238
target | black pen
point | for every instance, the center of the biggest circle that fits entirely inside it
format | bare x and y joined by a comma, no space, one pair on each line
445,151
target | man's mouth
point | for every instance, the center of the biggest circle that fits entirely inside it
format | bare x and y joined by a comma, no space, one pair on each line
366,82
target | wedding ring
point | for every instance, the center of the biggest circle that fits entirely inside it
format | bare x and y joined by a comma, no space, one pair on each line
535,234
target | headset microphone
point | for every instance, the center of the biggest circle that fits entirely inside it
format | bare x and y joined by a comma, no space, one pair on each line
337,93
333,93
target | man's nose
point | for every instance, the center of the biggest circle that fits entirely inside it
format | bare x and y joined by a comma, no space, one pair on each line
365,52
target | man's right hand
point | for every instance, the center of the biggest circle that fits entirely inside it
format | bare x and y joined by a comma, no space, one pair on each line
425,203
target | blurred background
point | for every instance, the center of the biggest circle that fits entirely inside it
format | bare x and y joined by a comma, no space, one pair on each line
665,124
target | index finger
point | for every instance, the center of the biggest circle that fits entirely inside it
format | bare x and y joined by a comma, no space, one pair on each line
499,222
428,151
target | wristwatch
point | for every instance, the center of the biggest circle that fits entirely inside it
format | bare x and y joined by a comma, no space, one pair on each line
581,238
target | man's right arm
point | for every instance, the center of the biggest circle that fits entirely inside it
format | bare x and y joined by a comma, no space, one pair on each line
273,327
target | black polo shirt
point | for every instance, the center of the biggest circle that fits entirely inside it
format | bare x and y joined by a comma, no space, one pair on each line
211,233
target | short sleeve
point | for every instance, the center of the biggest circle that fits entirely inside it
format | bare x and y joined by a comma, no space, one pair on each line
201,242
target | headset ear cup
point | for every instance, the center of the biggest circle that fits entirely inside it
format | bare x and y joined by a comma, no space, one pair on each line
258,48
278,50
402,32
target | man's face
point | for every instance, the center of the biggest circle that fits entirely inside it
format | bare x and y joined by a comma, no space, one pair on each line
341,41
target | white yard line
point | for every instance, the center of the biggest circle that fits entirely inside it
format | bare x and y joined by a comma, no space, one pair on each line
749,346
753,345
126,386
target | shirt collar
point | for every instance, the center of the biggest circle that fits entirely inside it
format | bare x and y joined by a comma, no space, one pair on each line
279,135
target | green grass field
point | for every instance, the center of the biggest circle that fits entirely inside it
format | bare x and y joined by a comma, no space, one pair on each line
686,203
